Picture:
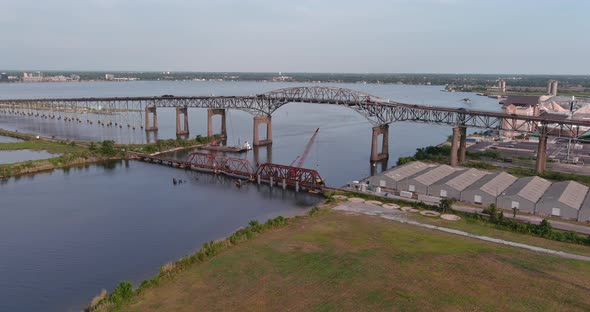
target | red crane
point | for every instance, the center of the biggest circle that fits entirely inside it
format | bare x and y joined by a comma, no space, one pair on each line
302,157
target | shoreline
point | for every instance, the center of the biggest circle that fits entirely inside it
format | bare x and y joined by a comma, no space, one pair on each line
77,153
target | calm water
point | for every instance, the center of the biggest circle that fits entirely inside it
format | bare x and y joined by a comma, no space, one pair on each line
5,139
9,157
66,235
341,153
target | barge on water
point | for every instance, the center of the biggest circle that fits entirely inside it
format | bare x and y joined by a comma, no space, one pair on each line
231,149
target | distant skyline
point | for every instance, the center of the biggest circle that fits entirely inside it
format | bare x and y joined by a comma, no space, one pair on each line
373,36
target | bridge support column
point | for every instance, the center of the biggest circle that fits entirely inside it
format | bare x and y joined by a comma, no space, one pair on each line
463,144
258,120
151,126
455,146
384,154
212,112
181,127
541,153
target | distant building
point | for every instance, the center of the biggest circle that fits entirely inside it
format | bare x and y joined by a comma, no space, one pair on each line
109,77
552,87
33,77
502,85
520,106
3,77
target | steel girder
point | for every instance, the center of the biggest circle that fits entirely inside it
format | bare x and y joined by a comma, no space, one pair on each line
378,111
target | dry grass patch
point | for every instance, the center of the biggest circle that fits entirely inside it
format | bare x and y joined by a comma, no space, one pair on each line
336,262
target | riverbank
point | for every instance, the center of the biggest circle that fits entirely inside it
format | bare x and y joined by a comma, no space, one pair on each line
75,153
369,263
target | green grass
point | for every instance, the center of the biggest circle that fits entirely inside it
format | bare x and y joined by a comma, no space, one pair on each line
40,145
480,227
338,262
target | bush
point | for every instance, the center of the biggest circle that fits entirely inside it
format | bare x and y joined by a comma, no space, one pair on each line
122,293
107,148
446,205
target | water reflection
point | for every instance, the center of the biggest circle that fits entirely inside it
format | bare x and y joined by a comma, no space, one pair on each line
5,139
89,227
9,157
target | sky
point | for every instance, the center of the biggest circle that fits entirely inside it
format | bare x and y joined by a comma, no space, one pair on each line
362,36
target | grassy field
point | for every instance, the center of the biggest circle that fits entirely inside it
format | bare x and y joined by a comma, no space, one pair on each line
486,229
338,262
40,145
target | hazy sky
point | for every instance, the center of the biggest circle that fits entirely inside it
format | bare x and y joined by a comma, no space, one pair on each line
434,36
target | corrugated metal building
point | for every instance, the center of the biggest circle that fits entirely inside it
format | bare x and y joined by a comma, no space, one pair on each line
562,199
524,194
389,179
584,215
485,190
454,184
420,182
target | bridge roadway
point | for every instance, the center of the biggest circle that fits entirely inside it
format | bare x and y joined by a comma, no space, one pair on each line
380,112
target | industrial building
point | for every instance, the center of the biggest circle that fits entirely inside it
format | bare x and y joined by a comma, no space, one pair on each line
524,194
454,184
420,182
562,199
486,190
391,178
535,195
552,87
584,215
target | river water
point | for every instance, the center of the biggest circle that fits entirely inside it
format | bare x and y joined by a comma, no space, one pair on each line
342,150
67,234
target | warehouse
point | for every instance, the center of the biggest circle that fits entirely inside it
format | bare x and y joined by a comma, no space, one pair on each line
562,199
420,182
486,190
584,215
454,184
389,179
524,194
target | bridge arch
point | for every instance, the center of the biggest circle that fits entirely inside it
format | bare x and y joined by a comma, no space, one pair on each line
363,103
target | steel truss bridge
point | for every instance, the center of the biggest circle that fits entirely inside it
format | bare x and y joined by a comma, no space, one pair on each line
377,110
239,168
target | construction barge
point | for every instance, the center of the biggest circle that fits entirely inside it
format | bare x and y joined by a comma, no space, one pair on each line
299,179
215,147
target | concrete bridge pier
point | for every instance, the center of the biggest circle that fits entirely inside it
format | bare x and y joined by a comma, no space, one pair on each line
212,112
462,144
541,164
384,154
151,126
182,127
455,142
257,160
378,166
259,120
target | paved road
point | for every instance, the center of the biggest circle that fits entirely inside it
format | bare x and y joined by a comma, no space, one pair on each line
564,226
399,216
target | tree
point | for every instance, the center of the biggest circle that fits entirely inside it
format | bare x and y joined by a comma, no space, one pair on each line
107,148
514,209
446,204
